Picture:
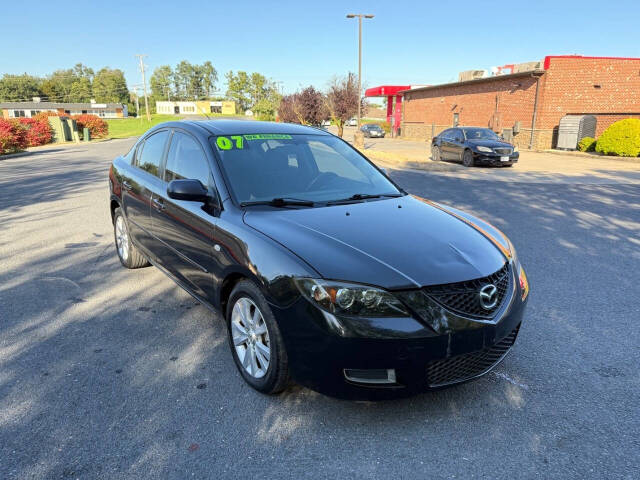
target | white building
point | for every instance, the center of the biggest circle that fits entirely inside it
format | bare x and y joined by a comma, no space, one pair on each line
30,109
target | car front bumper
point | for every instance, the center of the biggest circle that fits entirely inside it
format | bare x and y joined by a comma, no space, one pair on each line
321,347
494,159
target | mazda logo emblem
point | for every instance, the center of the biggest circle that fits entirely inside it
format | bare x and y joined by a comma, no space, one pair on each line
488,296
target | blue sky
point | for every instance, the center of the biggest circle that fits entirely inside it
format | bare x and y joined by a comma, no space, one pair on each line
307,42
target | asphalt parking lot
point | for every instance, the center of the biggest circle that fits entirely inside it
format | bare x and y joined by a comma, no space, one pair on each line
109,373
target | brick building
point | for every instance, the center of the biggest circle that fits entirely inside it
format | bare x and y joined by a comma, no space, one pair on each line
529,104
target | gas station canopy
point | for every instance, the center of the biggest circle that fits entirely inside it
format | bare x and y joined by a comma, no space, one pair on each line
394,115
385,90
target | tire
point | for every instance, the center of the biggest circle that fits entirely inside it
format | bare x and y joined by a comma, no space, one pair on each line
128,254
252,335
467,158
435,153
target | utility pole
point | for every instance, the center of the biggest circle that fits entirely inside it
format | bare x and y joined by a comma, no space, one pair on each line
136,89
144,85
359,15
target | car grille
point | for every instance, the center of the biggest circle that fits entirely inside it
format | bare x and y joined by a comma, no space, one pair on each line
466,366
503,151
464,297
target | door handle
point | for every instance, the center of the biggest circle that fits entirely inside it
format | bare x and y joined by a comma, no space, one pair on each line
158,204
126,185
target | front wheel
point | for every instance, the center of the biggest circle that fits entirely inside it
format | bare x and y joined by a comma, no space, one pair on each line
255,340
128,254
467,158
435,153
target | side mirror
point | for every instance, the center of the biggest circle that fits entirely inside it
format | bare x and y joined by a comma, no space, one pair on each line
188,189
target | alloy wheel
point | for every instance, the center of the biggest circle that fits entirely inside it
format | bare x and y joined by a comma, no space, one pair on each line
122,238
250,337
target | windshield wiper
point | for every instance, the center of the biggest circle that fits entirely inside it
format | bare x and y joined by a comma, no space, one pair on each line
363,196
281,202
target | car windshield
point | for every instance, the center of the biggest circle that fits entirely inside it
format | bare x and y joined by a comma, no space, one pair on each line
480,134
316,168
373,127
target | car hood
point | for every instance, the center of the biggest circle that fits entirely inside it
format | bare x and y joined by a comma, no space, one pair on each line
489,143
397,243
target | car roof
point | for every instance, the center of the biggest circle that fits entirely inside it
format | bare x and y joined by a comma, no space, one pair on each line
244,127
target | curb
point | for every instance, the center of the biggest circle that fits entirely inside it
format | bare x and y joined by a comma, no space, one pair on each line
15,155
595,155
399,161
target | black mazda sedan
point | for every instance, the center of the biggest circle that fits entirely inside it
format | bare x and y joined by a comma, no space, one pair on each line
326,271
473,146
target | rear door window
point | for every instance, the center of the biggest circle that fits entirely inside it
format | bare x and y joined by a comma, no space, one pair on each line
186,159
150,158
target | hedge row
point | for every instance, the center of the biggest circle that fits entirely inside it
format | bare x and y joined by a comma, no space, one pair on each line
98,128
16,134
20,133
621,138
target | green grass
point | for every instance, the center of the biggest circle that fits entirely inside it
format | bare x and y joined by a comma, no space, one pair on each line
135,126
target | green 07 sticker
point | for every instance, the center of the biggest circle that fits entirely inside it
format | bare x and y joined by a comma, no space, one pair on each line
227,143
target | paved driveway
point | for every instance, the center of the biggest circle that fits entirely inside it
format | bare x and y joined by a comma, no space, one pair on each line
109,373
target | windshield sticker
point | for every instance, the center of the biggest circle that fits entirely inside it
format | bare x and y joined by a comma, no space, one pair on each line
268,136
227,143
237,141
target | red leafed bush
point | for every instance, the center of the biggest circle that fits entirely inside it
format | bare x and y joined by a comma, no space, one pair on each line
38,131
97,127
13,136
44,115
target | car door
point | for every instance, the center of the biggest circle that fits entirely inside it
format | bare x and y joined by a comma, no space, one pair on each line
137,187
456,144
445,144
184,230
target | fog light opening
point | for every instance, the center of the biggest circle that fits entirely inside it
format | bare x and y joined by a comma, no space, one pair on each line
371,376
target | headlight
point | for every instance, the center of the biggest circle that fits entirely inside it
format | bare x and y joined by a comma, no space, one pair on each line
522,276
350,299
484,149
524,282
515,148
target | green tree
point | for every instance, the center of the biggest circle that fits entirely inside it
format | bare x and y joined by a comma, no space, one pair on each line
239,89
161,83
253,91
80,91
182,80
16,88
109,85
209,78
69,85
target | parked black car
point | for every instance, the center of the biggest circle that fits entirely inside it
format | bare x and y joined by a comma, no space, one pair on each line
473,146
325,270
372,130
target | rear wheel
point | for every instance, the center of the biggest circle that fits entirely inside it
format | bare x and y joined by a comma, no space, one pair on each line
128,254
435,153
255,340
467,158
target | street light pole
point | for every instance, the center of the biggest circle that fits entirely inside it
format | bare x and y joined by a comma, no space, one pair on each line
359,15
